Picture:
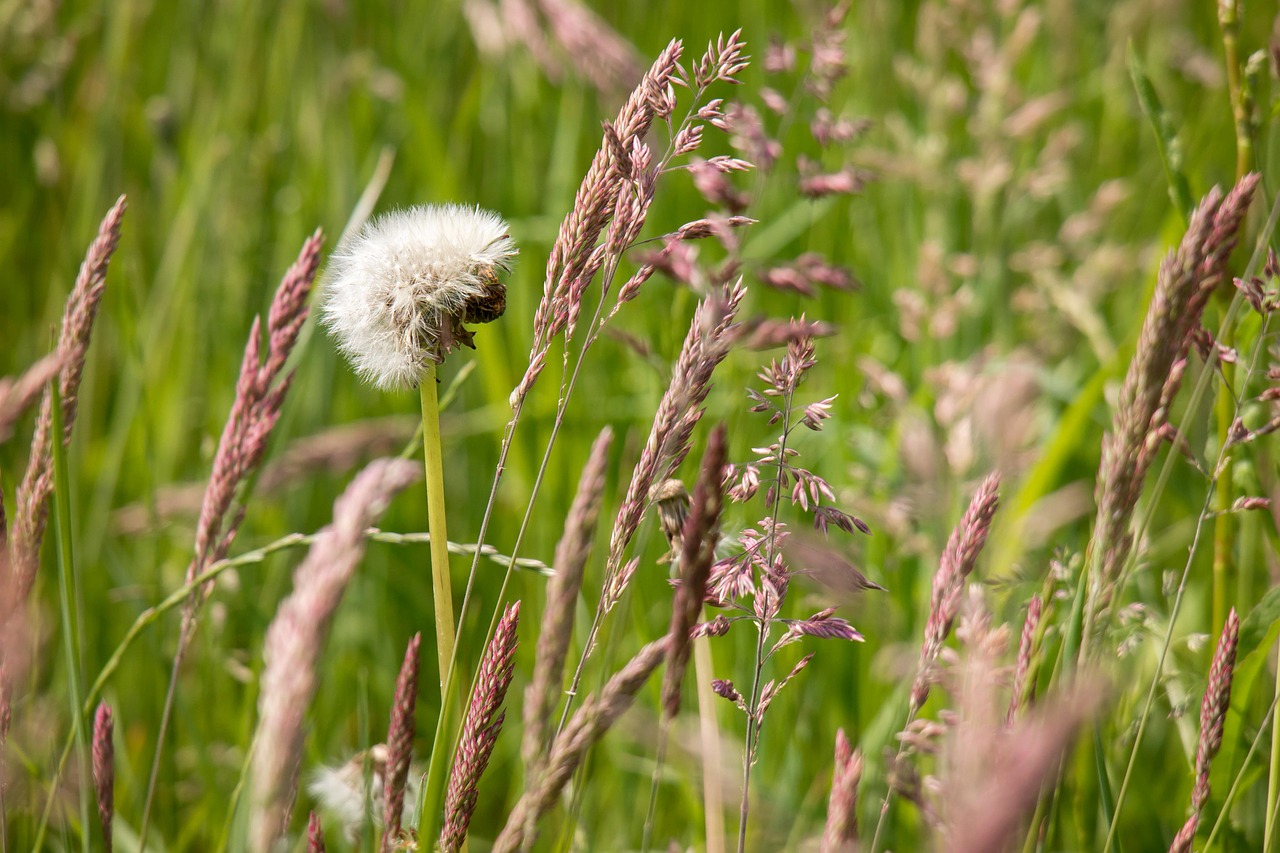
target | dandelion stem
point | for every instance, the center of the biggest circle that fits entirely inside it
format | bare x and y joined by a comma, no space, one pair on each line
441,588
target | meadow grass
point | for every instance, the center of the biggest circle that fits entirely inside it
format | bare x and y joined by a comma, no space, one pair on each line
1030,165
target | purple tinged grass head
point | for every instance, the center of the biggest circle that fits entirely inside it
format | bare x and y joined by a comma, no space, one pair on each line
594,207
1213,717
990,776
296,637
841,833
104,769
480,731
32,498
711,335
957,562
315,835
400,743
1188,276
698,550
562,596
260,392
1021,684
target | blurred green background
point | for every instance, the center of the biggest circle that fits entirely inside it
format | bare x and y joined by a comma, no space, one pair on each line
1005,250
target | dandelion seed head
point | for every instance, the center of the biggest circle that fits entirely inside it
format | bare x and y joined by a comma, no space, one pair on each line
398,294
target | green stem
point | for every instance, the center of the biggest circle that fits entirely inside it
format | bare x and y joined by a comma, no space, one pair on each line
442,593
66,595
1273,774
433,463
1224,496
1229,22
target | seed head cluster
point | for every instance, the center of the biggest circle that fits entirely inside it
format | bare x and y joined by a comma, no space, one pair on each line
399,293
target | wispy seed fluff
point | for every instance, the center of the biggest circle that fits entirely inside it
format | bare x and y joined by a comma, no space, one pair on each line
398,293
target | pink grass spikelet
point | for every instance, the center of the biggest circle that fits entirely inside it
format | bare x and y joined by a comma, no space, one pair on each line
260,392
480,731
1213,717
104,769
400,744
295,639
957,562
593,209
562,596
1020,696
315,835
710,337
841,833
32,497
1188,276
698,540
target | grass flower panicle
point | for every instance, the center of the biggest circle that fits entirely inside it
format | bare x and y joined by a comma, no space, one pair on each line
398,294
104,769
1213,718
698,538
957,562
480,731
841,833
315,835
562,596
400,743
296,636
31,513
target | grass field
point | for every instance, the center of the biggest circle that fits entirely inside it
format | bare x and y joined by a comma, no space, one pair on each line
1023,170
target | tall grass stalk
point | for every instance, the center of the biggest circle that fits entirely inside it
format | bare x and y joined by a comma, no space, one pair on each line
72,624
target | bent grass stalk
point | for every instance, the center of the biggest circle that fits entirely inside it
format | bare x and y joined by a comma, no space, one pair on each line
152,614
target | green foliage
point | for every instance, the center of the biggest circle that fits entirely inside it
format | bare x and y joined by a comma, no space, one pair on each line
1005,250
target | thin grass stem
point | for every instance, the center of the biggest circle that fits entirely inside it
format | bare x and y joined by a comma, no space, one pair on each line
70,626
753,706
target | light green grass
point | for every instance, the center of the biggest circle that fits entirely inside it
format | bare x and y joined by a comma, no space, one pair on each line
236,128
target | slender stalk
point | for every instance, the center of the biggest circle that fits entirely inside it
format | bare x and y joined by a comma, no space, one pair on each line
1229,22
753,706
1224,533
664,732
712,804
233,802
1236,782
66,594
1273,770
433,462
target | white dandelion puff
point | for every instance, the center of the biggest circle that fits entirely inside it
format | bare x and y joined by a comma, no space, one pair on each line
350,798
398,294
